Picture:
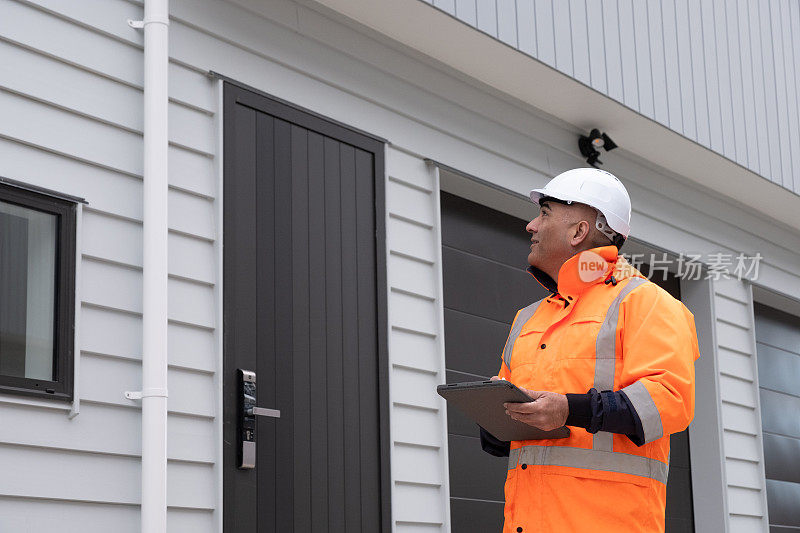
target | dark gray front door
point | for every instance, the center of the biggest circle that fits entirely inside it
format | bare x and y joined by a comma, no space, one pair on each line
304,308
485,283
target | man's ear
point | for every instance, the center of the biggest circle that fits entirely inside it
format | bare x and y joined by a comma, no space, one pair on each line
580,233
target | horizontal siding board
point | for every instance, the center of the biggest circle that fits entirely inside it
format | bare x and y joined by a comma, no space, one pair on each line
120,288
105,429
735,363
745,524
111,147
743,474
84,93
412,503
411,240
191,520
114,479
737,391
416,426
409,275
103,24
412,387
402,166
104,189
414,350
25,515
119,334
745,502
409,203
734,337
104,380
741,446
411,312
427,461
732,311
738,418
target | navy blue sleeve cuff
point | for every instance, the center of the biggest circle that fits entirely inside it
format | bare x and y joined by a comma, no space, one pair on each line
609,411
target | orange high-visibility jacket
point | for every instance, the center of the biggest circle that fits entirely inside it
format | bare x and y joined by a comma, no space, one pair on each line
631,336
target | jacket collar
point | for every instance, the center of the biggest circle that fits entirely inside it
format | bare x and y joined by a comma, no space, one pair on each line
604,261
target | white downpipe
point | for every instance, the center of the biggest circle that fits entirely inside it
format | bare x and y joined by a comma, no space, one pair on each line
154,304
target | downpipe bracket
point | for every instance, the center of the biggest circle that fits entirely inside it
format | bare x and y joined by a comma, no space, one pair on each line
147,393
140,24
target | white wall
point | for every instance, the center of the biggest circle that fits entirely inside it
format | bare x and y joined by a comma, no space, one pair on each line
723,74
71,102
741,411
420,480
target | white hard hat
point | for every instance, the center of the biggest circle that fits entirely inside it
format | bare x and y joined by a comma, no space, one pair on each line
597,188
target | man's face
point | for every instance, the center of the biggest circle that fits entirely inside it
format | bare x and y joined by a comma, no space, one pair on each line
549,238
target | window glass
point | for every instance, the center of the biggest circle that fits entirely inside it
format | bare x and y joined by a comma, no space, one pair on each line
27,292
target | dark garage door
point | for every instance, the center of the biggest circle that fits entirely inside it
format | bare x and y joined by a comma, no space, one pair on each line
484,259
778,346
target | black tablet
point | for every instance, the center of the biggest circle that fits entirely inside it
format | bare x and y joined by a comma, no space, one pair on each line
482,401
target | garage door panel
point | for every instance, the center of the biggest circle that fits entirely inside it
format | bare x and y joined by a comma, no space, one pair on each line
778,356
782,498
780,457
484,288
473,228
474,344
469,516
473,473
774,409
777,369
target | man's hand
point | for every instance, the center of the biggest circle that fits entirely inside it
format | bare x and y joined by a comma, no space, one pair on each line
547,411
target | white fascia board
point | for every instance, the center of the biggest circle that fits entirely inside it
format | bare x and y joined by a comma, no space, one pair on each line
445,39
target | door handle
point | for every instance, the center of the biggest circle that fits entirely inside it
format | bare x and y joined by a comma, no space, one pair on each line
247,413
263,411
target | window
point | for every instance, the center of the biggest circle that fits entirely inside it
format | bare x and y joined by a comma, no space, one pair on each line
37,291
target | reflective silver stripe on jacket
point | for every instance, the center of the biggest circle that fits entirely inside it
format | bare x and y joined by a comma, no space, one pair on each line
568,456
522,317
605,350
645,407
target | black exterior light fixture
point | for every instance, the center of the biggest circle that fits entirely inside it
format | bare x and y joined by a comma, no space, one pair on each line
590,145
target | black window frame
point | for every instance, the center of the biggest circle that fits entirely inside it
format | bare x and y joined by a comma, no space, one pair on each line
65,208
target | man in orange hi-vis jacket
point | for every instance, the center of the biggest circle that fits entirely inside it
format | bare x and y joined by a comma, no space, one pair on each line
607,330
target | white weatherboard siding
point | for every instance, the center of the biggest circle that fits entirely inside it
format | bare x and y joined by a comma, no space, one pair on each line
71,102
722,73
70,87
741,413
420,494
